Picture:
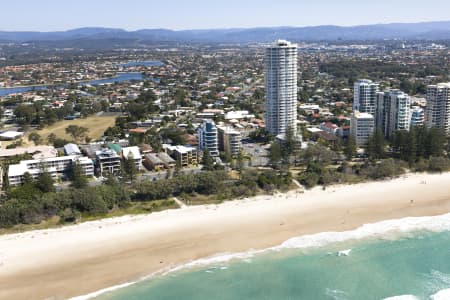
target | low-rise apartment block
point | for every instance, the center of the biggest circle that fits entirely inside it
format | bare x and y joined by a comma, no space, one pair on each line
184,155
133,153
55,166
108,162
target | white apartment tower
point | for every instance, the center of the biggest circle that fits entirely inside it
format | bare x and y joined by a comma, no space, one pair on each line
438,106
362,127
281,87
393,111
208,137
365,96
229,140
417,116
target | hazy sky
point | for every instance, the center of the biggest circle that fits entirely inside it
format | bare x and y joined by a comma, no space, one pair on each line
48,15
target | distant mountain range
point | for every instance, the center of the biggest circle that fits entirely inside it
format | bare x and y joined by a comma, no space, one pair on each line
410,31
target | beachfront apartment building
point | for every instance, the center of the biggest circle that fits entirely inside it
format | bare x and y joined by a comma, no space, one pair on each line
108,162
229,140
365,96
16,173
184,155
169,162
72,149
208,137
417,116
362,126
438,106
153,162
54,166
134,154
392,112
280,76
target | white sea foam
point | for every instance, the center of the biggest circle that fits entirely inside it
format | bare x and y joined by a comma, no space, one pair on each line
402,297
441,295
391,229
440,278
336,294
103,291
344,252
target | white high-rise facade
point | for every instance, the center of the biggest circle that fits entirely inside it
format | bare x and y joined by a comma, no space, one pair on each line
393,111
281,87
362,126
208,137
438,106
365,96
417,116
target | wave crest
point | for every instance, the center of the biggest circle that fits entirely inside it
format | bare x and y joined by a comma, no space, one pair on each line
392,229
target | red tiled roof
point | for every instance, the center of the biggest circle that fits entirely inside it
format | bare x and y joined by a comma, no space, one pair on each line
138,130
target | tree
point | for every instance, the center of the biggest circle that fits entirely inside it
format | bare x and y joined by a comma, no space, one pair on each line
25,114
289,143
275,153
45,182
261,135
169,173
310,179
177,170
439,164
130,167
78,178
240,163
319,154
207,161
50,116
111,180
435,144
180,97
154,139
350,148
376,145
35,138
51,138
136,110
404,145
77,132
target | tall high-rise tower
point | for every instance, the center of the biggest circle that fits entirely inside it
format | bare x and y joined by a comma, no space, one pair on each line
393,111
438,106
281,87
365,96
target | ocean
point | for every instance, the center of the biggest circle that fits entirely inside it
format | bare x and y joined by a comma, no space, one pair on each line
399,259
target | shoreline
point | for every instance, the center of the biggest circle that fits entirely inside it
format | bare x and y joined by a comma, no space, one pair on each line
389,229
82,259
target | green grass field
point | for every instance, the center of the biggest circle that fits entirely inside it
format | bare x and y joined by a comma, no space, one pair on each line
96,125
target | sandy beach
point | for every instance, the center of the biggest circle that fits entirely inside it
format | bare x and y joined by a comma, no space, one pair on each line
81,259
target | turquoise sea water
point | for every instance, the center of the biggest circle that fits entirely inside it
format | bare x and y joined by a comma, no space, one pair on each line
415,264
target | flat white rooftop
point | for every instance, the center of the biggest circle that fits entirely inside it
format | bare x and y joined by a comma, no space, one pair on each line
361,115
